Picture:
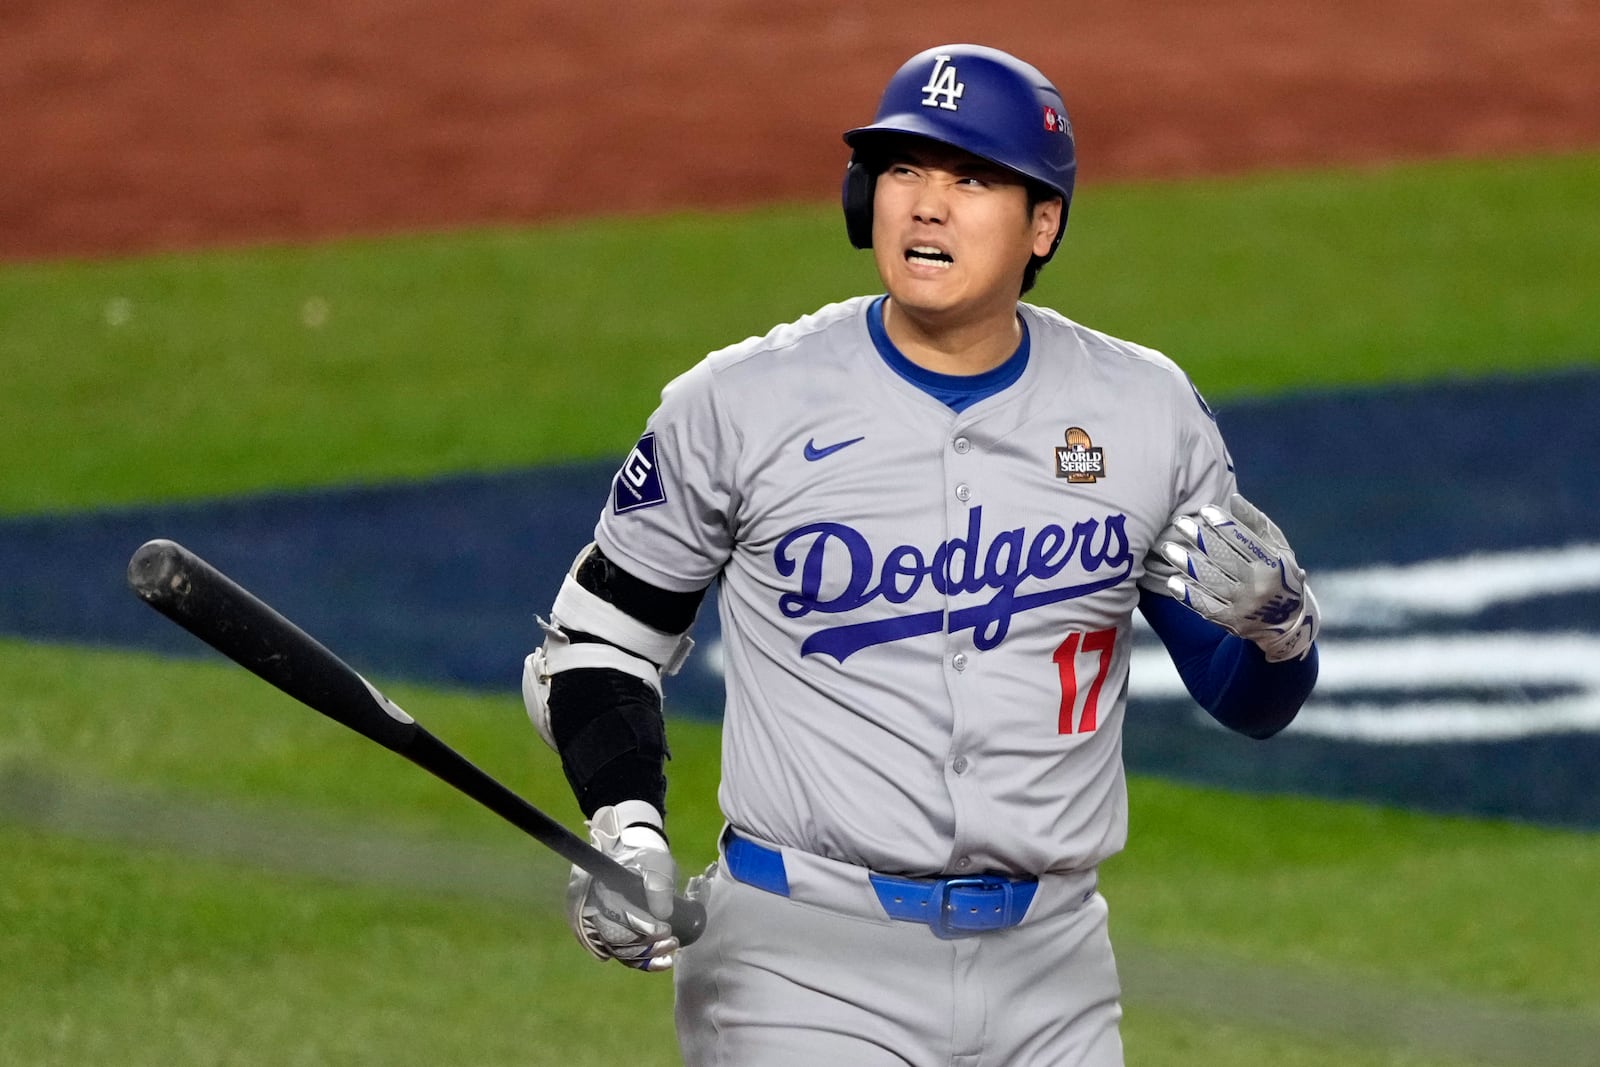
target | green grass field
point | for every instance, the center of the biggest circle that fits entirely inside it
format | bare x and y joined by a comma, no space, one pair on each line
194,376
197,375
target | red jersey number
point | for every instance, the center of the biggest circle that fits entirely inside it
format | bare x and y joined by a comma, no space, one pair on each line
1066,660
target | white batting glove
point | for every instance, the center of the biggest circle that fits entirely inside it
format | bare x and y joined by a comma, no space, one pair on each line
1235,567
606,923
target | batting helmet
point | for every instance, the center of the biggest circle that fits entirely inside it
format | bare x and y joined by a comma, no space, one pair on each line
978,99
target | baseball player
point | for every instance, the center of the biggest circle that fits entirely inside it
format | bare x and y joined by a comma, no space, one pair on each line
932,514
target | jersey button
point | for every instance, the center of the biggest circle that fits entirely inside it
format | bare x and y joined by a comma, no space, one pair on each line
963,863
959,661
963,493
961,445
959,765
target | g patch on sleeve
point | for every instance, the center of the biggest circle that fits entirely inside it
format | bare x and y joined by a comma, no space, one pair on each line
638,483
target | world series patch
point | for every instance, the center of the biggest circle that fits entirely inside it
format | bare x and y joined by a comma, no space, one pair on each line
1080,460
638,483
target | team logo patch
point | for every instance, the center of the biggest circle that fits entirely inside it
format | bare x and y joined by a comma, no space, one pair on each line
638,483
1056,121
942,90
1080,460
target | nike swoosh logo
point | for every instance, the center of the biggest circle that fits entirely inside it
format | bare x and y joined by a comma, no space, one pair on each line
813,453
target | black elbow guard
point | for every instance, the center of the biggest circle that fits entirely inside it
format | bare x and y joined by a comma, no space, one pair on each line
662,609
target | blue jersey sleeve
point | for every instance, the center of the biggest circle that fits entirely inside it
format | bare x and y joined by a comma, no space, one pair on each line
1227,675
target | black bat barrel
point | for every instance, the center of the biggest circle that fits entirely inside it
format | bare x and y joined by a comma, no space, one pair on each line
232,620
235,622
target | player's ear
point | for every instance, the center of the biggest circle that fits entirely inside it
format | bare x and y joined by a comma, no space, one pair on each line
1046,221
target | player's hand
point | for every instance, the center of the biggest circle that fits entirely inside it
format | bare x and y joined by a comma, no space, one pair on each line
606,923
1235,567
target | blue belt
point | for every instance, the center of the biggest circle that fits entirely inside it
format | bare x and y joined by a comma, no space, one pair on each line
951,907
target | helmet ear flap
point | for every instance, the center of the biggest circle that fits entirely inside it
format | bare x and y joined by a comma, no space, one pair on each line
860,181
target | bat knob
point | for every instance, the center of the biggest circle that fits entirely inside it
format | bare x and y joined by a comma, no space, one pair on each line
159,571
688,920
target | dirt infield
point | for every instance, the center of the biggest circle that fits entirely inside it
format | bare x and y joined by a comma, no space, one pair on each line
182,123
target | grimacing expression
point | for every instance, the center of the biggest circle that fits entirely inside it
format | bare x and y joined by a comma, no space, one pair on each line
952,232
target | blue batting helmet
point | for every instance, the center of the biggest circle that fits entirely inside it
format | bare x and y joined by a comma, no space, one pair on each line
978,99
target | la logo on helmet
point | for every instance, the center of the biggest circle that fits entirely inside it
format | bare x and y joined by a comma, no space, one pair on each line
942,90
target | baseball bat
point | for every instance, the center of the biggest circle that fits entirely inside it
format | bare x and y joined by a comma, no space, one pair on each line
237,623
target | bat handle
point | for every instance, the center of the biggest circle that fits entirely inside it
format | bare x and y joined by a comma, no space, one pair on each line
688,919
235,622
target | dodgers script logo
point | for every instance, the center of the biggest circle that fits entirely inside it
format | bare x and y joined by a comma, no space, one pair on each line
822,550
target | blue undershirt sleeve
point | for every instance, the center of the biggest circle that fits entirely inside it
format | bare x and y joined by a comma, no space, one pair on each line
1227,675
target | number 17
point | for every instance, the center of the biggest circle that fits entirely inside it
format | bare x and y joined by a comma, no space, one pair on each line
1066,660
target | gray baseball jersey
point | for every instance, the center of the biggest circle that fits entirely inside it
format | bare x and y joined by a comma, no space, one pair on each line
925,614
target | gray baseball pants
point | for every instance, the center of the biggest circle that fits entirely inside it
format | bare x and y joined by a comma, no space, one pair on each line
794,982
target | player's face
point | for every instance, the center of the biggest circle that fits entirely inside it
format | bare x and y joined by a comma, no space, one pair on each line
952,233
